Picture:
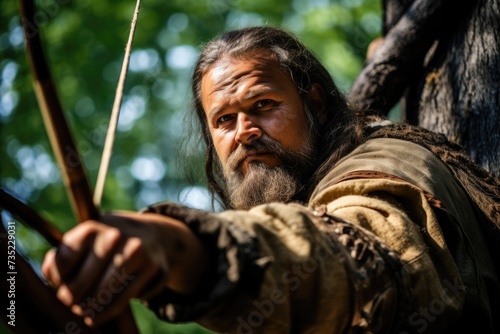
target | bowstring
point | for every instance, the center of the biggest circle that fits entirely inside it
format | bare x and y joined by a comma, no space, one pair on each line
110,136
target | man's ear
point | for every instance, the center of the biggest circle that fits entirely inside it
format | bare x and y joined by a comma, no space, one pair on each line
317,101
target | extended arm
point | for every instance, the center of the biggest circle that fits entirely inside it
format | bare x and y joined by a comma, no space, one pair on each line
101,265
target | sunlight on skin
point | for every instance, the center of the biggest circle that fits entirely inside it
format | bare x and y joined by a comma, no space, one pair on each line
245,99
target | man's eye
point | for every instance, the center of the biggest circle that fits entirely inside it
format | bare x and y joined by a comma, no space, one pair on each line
263,103
224,119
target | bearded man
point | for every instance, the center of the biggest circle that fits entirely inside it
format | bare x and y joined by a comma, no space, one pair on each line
333,225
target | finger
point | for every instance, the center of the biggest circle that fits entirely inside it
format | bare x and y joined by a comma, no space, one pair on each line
74,247
132,270
115,278
136,283
50,270
88,275
59,263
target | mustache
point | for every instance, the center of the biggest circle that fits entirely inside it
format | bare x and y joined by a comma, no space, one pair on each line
262,144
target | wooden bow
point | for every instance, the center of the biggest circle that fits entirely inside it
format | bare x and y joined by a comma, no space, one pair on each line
50,311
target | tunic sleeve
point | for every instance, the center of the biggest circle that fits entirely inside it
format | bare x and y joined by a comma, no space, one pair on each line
288,268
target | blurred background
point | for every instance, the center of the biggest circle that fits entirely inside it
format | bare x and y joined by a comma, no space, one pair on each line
153,158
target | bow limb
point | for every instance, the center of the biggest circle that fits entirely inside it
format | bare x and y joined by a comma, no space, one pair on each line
31,218
62,142
60,137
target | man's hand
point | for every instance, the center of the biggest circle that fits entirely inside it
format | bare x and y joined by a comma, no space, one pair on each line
101,265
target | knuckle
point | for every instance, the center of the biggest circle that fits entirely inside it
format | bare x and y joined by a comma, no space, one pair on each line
111,237
134,248
108,239
80,233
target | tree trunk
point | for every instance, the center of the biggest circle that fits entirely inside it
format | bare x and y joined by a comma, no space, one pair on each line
442,59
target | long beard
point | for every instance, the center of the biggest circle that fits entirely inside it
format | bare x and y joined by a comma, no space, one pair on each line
264,184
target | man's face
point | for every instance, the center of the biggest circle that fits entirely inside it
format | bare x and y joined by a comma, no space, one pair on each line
259,128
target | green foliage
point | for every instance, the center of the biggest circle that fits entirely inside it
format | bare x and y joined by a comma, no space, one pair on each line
148,323
84,42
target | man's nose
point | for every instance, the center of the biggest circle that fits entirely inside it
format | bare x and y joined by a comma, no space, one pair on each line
247,129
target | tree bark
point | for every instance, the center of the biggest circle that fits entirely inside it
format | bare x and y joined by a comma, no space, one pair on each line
441,60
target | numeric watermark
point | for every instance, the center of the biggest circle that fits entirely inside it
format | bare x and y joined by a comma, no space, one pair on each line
11,273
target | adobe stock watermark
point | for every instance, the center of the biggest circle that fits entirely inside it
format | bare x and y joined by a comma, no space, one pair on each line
11,273
97,136
362,33
41,16
421,318
292,278
219,7
93,305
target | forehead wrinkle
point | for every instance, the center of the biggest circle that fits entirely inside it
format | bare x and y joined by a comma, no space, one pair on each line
259,82
240,88
263,65
227,83
261,87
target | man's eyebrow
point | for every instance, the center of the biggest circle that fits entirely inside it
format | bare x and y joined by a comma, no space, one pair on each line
255,93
